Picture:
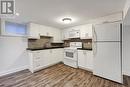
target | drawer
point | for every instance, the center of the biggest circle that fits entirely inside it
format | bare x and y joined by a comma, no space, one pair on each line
36,58
36,54
37,64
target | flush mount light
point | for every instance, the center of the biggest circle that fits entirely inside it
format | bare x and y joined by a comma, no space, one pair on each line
67,20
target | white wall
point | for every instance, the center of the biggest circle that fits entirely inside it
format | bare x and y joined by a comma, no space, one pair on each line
126,50
13,55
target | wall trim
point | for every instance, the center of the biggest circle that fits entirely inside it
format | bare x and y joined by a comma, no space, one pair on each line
3,73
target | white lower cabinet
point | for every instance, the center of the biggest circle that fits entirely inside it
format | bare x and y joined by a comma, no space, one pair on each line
44,58
57,55
37,64
85,59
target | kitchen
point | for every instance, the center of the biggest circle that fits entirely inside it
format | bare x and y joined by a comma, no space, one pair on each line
42,50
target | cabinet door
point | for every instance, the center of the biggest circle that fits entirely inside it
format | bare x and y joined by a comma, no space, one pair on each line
37,64
45,30
49,31
82,58
57,35
65,34
52,56
85,59
89,62
86,31
42,30
36,55
33,31
36,61
46,56
57,55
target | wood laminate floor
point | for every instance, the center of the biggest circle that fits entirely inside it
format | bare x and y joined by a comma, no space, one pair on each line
58,75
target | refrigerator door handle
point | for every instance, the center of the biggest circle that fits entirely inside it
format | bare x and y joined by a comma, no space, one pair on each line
94,45
94,35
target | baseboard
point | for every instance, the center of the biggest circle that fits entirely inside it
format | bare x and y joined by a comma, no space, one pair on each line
3,73
90,70
44,67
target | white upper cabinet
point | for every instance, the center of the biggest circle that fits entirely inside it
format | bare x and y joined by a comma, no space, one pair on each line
65,34
37,30
57,36
86,31
34,30
45,30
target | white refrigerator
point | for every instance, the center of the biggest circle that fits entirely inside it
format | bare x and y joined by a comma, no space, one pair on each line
107,49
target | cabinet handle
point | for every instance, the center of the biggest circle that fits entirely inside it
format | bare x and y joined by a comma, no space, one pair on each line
37,57
84,52
50,51
38,52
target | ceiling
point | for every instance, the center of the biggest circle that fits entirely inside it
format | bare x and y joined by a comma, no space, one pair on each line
50,12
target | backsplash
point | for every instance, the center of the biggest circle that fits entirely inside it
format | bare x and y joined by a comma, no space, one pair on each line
87,43
45,42
39,43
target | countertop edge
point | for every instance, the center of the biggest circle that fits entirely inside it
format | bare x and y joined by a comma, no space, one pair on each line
84,49
43,48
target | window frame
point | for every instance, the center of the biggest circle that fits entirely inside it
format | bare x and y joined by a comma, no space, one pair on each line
5,33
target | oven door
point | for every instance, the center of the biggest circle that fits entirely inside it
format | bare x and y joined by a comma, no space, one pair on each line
70,54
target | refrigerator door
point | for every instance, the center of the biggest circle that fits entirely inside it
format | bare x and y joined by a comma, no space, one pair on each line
107,32
107,61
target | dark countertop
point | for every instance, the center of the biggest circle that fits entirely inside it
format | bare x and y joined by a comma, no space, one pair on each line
84,49
35,49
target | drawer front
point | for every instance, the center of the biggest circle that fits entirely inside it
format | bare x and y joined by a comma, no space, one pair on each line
36,58
37,64
36,54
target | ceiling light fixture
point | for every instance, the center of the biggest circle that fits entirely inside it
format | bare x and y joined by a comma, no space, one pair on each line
67,20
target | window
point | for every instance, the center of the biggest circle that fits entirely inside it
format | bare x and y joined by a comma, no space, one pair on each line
15,29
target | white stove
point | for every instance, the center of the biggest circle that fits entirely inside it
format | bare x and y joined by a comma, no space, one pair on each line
71,54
